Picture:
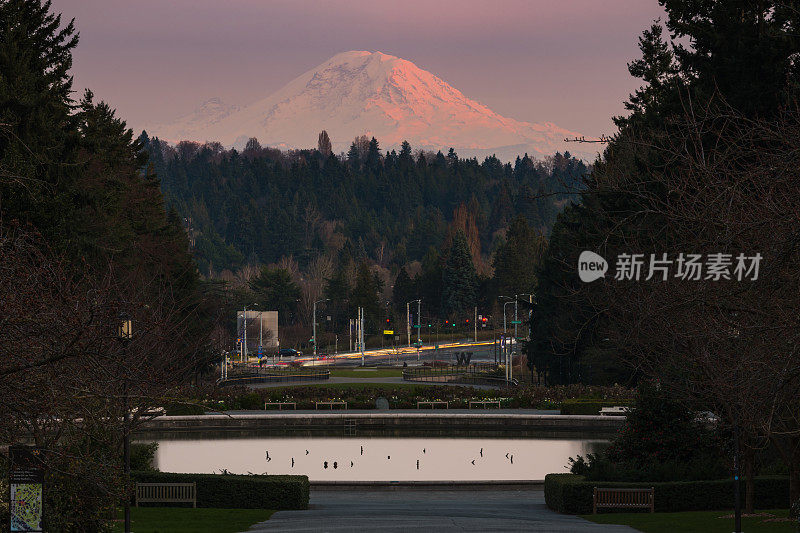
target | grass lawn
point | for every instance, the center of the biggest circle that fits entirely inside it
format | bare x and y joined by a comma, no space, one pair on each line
362,386
695,522
183,520
355,386
378,373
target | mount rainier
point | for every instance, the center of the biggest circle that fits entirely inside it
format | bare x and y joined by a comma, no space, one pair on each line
374,94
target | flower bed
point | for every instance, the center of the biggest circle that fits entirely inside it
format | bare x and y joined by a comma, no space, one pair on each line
401,396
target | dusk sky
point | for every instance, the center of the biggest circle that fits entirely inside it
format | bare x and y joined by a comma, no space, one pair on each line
563,62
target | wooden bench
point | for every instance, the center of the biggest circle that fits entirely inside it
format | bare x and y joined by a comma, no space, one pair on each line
623,499
281,405
166,493
617,410
331,404
433,404
485,403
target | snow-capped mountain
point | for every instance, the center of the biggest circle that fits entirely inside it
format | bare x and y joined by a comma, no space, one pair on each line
375,94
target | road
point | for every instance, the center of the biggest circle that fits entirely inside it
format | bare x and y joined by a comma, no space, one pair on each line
482,351
412,509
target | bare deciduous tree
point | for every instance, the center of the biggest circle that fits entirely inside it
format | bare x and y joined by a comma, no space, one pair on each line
722,184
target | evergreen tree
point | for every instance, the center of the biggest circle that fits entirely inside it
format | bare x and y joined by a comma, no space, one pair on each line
459,279
37,132
403,290
373,155
275,290
365,294
516,261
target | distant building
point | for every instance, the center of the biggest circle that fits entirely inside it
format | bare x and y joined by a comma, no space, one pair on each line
263,324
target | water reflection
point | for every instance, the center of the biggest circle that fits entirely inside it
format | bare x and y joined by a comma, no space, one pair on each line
376,459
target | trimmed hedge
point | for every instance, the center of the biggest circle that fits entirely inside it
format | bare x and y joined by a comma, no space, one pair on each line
242,492
572,494
589,407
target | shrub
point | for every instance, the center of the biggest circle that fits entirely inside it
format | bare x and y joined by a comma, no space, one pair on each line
572,494
245,492
251,400
179,409
142,455
660,441
588,407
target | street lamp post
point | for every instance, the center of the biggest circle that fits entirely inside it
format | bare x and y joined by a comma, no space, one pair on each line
419,323
505,349
243,351
314,320
124,334
504,311
530,301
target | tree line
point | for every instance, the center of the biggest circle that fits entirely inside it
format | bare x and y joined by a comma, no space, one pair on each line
366,228
704,163
85,242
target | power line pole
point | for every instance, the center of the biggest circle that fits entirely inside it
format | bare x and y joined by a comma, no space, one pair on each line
476,324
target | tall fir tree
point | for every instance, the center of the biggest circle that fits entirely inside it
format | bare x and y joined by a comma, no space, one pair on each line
459,279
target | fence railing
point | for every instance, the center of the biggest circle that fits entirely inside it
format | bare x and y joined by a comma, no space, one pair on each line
474,374
274,376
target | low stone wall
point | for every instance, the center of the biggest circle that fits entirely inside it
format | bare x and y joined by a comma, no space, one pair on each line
433,421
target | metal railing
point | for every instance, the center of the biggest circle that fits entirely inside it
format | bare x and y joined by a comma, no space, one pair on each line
274,376
472,374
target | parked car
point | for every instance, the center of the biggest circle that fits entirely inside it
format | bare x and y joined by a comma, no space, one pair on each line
289,352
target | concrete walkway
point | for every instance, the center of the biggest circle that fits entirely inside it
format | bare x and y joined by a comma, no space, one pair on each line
404,510
438,411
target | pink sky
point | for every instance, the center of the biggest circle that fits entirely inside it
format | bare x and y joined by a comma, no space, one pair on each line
532,60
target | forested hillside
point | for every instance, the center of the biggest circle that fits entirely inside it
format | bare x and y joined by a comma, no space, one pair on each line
260,205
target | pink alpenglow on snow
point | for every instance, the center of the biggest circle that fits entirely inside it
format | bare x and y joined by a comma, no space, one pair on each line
374,94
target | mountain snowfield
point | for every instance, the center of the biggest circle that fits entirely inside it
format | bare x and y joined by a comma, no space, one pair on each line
374,94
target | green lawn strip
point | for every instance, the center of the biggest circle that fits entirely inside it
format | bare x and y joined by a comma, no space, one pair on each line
695,522
357,386
184,520
382,373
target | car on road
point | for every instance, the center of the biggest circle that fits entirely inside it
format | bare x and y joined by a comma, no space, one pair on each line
289,352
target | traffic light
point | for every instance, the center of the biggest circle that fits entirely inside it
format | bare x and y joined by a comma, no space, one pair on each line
387,320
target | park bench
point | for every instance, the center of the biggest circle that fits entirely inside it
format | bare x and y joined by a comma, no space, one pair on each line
330,404
166,493
485,403
281,405
433,404
617,410
613,498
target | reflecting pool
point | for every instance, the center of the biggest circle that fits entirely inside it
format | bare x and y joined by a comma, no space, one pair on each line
376,458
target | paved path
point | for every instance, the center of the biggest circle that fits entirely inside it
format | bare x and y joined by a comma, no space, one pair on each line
425,410
404,510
